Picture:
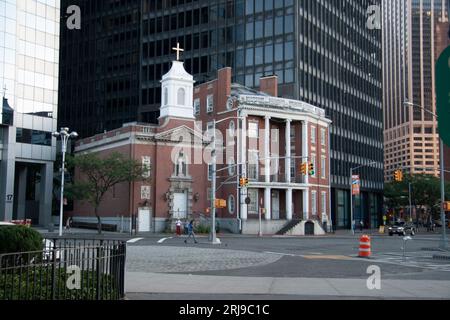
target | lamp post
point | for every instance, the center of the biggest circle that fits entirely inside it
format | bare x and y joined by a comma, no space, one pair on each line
65,136
351,191
214,178
444,244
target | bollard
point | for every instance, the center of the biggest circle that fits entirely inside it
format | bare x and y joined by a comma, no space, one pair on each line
365,250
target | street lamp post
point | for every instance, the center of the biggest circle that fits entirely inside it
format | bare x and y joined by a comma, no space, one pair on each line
214,179
444,243
351,192
65,136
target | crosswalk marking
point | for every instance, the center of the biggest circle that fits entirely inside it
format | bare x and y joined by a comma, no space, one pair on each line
135,240
164,239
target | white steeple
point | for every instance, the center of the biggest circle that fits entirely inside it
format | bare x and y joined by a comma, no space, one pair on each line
177,92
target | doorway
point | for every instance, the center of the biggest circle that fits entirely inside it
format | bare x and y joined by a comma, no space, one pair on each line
180,205
144,220
276,205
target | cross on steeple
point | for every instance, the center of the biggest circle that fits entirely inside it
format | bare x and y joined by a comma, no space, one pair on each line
4,91
178,50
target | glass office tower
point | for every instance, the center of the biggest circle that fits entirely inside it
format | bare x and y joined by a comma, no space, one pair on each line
321,51
29,65
415,34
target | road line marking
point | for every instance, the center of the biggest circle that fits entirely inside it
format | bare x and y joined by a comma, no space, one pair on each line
135,240
282,254
329,257
164,239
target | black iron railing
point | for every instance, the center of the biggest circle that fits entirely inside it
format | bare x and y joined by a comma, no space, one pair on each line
66,269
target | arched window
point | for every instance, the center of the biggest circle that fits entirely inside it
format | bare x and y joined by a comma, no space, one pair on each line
166,96
231,168
231,129
231,204
181,97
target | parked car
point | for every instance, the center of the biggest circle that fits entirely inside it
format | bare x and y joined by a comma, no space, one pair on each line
402,229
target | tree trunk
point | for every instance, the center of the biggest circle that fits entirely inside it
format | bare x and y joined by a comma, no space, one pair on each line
99,221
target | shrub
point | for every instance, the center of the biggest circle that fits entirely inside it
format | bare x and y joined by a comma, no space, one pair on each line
203,229
19,239
36,284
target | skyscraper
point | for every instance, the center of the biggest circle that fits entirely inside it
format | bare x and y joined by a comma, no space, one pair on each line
100,66
412,39
322,53
29,57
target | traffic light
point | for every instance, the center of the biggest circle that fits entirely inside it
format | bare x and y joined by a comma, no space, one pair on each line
243,182
311,169
304,168
398,176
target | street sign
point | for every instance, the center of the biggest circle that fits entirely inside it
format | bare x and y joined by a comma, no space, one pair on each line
356,185
221,204
443,95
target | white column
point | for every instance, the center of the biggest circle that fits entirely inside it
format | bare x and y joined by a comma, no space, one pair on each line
288,152
288,162
243,160
305,153
289,214
267,150
267,203
267,191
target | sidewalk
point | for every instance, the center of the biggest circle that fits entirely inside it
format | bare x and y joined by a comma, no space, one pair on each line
77,233
141,283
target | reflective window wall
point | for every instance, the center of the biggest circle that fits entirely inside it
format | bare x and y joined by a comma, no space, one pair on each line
29,55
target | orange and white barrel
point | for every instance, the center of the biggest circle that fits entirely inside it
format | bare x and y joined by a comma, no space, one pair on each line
365,248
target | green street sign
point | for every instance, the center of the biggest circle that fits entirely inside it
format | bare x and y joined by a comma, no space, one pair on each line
443,95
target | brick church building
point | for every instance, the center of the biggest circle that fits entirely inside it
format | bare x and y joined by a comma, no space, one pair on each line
257,136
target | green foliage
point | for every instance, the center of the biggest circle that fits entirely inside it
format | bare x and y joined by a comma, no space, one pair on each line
425,192
98,175
203,229
35,283
19,239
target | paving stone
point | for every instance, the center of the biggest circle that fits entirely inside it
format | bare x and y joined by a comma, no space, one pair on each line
176,259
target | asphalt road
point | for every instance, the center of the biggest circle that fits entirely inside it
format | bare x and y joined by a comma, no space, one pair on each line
331,257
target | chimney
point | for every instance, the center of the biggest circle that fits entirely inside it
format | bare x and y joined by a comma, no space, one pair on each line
269,85
224,81
223,86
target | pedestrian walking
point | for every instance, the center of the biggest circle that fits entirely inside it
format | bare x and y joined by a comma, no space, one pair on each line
361,225
178,224
191,232
68,223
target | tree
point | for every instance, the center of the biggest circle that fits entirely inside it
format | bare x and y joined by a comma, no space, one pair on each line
425,192
98,175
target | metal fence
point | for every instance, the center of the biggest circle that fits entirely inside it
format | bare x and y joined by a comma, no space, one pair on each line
66,269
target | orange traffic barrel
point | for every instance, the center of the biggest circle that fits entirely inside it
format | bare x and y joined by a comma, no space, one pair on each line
365,250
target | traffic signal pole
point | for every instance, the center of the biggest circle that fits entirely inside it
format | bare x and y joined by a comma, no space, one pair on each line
444,240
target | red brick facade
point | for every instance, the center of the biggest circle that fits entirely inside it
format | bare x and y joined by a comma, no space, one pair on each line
240,115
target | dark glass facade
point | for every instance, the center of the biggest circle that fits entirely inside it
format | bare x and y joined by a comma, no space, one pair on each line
321,52
99,66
